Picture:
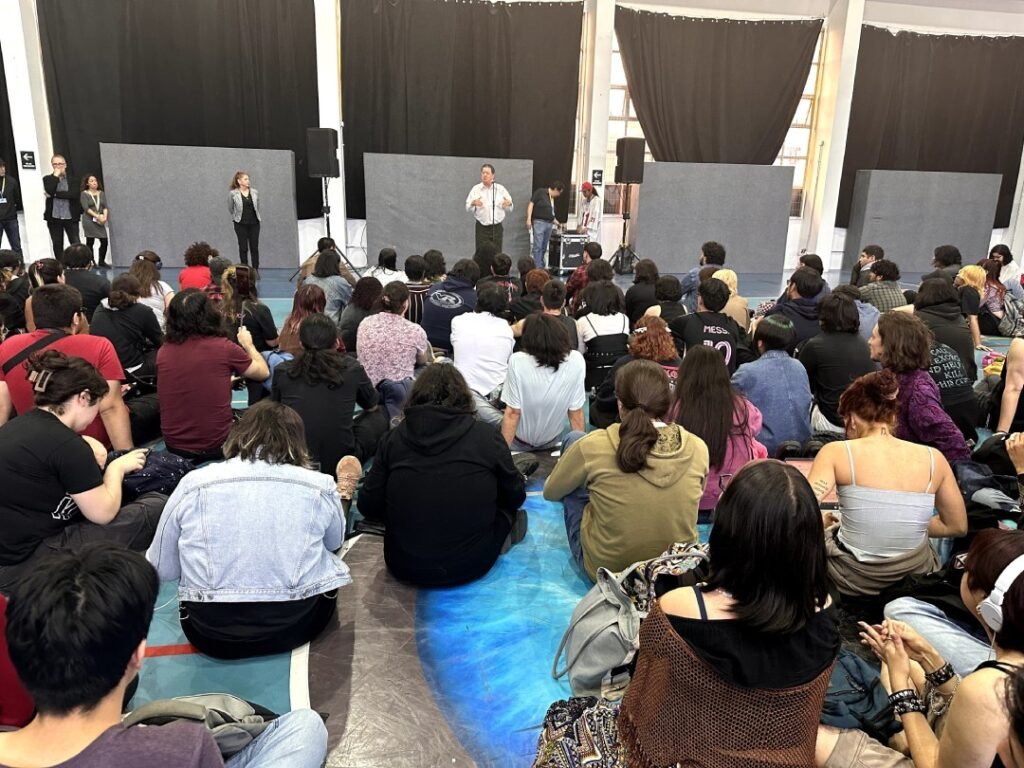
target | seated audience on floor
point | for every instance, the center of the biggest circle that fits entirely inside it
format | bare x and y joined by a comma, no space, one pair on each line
543,385
524,265
706,405
1007,408
668,292
733,672
598,270
323,244
482,343
195,366
902,344
218,265
813,262
78,273
860,274
868,313
552,302
56,496
436,268
308,300
887,518
992,299
196,273
650,340
156,294
415,268
324,386
434,537
946,720
16,706
14,291
711,254
77,633
604,331
484,258
640,295
630,491
1010,274
801,305
833,359
387,267
129,326
938,307
238,597
529,301
242,308
327,276
947,262
501,268
737,307
365,297
578,279
390,347
883,290
956,390
709,326
46,272
777,386
453,296
57,313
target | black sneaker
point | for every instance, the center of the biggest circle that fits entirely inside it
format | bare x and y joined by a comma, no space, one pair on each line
526,463
518,532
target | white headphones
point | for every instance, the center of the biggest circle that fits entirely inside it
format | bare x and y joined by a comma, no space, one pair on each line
991,608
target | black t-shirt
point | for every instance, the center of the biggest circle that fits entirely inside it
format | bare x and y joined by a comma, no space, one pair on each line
833,360
525,305
970,301
93,288
712,329
12,304
947,369
542,210
671,310
133,331
248,210
639,298
42,462
260,322
326,412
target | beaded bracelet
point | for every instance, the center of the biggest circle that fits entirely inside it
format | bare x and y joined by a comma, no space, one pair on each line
941,675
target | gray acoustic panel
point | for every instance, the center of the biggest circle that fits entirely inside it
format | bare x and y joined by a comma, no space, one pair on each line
163,198
909,213
418,202
744,207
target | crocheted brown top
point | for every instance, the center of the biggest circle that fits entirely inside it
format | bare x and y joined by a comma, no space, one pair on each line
679,711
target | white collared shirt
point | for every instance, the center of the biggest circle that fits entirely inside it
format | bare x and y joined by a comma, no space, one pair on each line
493,197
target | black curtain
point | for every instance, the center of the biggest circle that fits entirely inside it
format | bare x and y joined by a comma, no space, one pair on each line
234,73
936,103
476,78
714,90
7,150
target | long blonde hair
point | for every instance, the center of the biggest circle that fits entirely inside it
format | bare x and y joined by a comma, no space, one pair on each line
974,276
728,277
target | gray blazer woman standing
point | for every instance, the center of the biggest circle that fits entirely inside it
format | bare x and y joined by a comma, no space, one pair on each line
243,203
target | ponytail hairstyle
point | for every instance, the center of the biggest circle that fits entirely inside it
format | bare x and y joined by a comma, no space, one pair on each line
146,268
239,291
320,361
45,272
393,299
56,378
124,291
642,388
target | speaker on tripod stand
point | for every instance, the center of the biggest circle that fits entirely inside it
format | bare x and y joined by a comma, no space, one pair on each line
629,170
322,163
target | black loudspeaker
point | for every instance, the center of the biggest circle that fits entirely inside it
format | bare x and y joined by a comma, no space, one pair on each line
629,161
322,153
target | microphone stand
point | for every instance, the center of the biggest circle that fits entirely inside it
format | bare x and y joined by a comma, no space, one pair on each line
494,200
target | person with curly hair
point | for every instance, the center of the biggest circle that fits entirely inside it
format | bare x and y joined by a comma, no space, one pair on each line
196,273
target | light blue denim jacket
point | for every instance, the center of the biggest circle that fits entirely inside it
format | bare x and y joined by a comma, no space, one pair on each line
249,531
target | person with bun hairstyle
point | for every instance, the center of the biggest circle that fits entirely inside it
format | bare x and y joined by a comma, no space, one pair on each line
390,347
887,517
156,294
632,490
46,272
923,683
324,386
196,273
130,327
56,497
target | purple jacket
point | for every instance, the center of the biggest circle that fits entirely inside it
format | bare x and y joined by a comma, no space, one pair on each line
922,419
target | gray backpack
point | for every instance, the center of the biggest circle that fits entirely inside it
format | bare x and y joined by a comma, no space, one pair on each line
234,722
1012,322
604,631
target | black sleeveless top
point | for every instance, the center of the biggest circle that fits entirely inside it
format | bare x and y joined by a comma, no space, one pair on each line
1006,669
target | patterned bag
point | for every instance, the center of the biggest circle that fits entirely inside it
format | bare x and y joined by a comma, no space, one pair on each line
580,733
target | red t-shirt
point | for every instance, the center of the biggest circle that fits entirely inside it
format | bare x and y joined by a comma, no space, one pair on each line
194,388
16,707
195,277
94,349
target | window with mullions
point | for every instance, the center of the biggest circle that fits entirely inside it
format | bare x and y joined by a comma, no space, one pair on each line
796,149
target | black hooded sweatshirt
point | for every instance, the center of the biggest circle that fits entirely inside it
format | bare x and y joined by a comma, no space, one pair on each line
439,483
950,328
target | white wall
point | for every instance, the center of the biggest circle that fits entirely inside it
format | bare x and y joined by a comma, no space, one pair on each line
1005,17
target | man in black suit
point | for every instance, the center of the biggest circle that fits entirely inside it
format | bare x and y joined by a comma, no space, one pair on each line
63,210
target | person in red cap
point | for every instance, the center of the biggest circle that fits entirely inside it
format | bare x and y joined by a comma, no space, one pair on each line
589,216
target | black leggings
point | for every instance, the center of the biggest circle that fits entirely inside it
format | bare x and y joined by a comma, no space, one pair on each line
248,242
103,248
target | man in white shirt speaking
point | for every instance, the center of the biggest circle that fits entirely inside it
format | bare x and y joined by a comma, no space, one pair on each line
489,201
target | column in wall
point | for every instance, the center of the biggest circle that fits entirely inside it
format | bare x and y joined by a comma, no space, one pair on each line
599,29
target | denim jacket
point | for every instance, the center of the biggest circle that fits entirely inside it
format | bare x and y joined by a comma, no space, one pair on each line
249,531
777,384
